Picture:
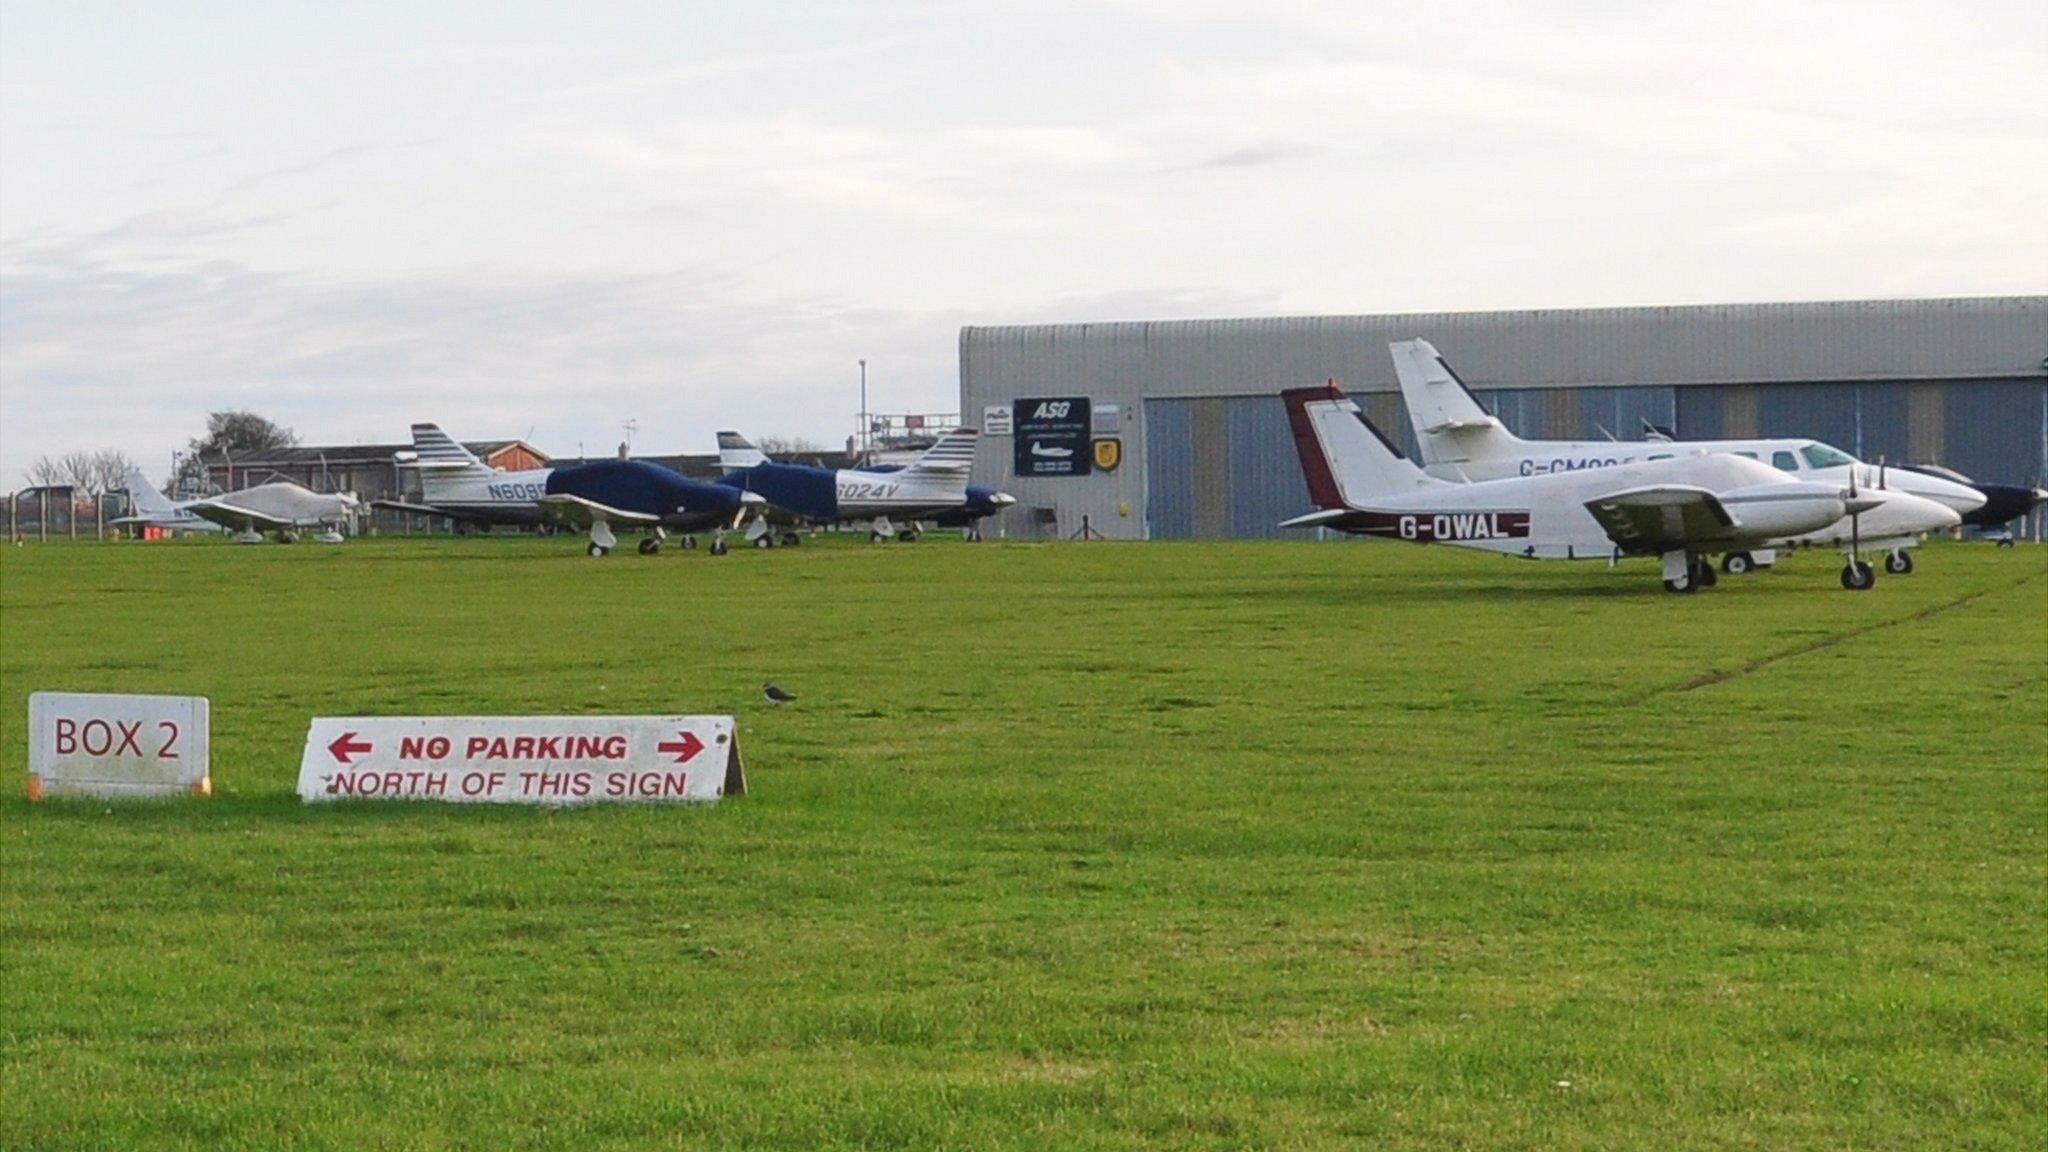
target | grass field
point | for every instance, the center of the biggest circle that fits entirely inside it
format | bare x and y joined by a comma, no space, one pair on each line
1081,846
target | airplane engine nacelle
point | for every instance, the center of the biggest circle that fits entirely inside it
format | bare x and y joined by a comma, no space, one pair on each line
1769,511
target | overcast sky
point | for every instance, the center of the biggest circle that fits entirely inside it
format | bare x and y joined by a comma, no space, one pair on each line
547,219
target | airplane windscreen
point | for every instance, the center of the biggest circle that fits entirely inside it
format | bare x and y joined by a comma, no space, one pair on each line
1820,455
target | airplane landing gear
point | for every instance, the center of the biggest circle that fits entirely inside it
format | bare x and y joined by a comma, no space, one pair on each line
1737,563
718,547
601,538
595,549
1684,572
791,539
690,543
649,546
1858,575
1898,562
764,540
287,537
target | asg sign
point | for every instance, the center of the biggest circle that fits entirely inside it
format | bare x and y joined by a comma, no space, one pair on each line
94,744
1052,436
521,759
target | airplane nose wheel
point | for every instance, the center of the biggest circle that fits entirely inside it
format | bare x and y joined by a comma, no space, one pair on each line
1858,576
689,543
718,548
649,546
597,550
765,542
1898,562
1737,563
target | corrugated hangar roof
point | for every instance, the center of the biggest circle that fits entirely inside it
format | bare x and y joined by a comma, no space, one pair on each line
2000,337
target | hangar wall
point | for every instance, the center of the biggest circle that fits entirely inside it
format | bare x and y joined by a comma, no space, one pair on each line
1207,453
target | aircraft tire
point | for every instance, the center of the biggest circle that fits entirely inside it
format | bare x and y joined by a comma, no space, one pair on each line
649,546
909,537
1684,584
1738,563
1706,577
791,539
689,543
718,548
1898,562
1857,576
2005,541
765,541
287,537
595,550
874,537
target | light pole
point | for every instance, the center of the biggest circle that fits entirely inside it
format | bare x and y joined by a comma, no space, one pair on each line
864,411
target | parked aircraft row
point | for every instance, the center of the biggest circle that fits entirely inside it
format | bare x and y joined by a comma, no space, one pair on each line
1482,487
281,507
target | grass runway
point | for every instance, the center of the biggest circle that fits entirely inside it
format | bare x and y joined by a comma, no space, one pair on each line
1284,845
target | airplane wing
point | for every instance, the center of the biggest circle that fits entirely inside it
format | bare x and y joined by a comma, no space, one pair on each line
427,510
227,514
581,512
1661,519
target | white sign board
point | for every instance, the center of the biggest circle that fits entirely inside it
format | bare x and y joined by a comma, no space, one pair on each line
521,759
95,744
996,420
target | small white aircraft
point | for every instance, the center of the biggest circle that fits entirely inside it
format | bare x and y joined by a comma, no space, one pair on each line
281,507
1460,440
154,509
1679,509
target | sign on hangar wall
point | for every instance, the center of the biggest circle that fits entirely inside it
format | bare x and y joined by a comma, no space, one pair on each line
1051,437
104,744
522,759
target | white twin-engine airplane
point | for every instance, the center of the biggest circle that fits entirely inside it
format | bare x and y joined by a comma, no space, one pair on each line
1680,509
1460,440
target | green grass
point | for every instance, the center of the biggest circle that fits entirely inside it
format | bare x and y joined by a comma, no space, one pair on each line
1082,846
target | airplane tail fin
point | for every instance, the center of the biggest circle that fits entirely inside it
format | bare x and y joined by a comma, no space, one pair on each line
954,452
145,496
736,452
1343,457
439,452
1450,425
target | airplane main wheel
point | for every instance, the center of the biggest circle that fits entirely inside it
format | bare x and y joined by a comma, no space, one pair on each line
689,543
1857,576
718,548
649,546
764,541
910,537
287,537
597,550
1704,576
791,539
1737,563
2005,541
1686,583
874,537
1898,562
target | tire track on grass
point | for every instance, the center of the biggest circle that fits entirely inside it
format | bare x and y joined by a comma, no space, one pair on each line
1833,640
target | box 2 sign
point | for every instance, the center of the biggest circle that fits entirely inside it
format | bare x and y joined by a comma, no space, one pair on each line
94,744
1052,436
522,759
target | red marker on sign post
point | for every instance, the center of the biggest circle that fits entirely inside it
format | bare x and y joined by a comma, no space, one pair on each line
343,745
685,746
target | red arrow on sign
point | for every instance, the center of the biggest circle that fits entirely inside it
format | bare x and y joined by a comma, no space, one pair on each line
685,748
345,744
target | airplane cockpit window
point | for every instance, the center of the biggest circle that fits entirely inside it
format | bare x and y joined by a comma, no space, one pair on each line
1784,462
1820,455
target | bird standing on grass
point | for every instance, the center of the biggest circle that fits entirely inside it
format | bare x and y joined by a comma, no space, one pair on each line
775,695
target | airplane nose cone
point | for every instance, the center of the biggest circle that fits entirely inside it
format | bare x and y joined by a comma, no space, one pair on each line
1002,499
752,499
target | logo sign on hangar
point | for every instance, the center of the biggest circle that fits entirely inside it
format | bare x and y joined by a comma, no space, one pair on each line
1052,436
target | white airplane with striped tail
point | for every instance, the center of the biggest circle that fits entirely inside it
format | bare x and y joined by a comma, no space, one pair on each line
1680,510
456,484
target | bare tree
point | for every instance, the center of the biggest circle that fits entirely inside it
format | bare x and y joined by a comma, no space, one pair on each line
79,470
110,467
45,473
790,446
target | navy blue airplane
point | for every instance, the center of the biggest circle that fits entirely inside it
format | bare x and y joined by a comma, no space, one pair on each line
934,488
638,494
